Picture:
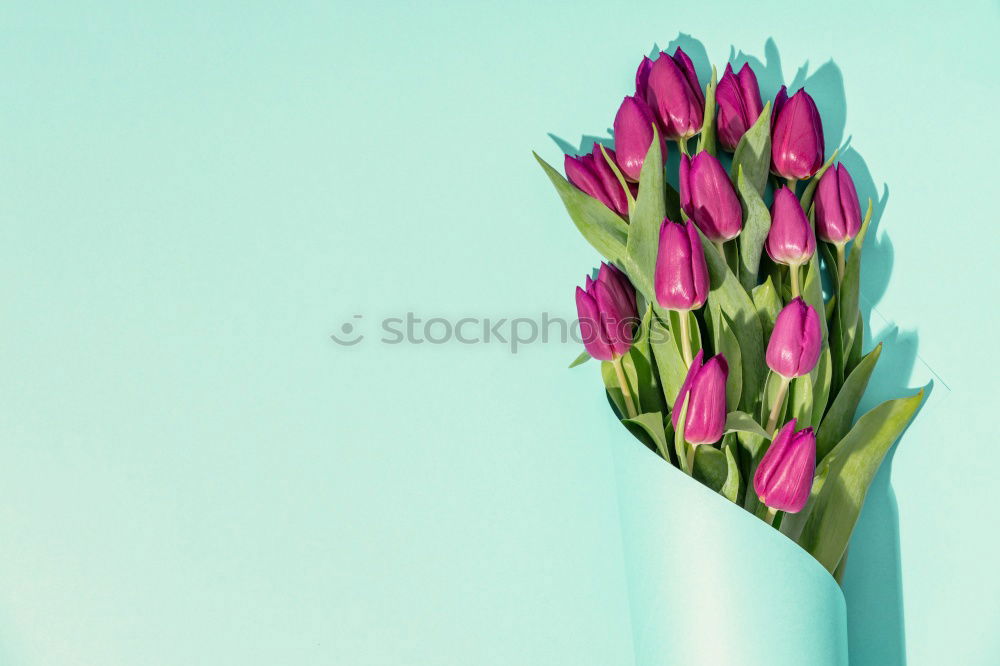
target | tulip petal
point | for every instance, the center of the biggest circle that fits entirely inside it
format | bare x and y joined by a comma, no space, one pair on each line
790,239
622,293
706,413
675,413
784,476
810,340
591,330
680,278
581,172
677,107
779,104
750,94
850,205
828,211
616,199
684,184
731,124
633,129
794,347
712,201
699,269
797,138
687,68
614,319
642,77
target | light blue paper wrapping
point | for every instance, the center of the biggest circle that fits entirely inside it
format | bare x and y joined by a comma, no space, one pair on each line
709,584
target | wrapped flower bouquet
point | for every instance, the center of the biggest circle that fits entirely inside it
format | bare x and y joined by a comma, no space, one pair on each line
725,317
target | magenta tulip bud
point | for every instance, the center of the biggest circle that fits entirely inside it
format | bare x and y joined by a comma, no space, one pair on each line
796,136
633,136
790,240
674,94
680,279
784,477
793,349
705,388
607,313
708,197
738,99
838,212
592,174
582,172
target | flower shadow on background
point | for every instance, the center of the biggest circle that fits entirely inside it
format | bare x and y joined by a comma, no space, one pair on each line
872,582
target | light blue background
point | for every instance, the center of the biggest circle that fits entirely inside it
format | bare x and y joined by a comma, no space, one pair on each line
195,195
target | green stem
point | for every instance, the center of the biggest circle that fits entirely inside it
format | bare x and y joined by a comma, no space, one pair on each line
792,182
771,513
721,247
685,337
841,261
779,401
682,145
626,394
690,460
794,270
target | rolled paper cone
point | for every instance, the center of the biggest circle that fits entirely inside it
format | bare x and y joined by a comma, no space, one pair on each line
709,584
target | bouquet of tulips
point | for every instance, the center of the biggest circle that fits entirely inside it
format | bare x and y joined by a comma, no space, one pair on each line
726,316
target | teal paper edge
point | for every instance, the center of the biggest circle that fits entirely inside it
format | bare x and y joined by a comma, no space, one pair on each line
710,584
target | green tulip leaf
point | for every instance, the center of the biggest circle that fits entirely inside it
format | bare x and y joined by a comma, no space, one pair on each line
743,422
768,304
643,384
844,476
831,306
821,387
849,293
800,401
651,423
729,346
829,255
837,356
731,488
753,440
581,359
680,446
838,420
838,575
727,292
669,362
754,447
621,178
644,228
694,331
756,224
640,368
812,293
854,356
706,140
710,467
753,152
611,385
604,229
